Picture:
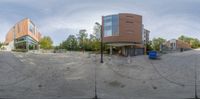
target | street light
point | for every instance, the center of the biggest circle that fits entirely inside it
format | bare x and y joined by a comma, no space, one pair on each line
101,32
195,68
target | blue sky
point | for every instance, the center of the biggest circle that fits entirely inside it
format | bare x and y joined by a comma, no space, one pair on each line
59,18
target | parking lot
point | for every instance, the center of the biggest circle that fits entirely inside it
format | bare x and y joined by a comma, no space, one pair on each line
72,75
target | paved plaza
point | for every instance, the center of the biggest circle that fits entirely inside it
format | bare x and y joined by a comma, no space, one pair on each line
71,75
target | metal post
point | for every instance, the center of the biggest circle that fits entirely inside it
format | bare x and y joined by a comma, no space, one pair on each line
196,96
14,40
101,45
27,46
95,82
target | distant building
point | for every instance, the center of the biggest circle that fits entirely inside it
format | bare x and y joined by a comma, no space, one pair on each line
124,32
146,36
23,35
97,30
174,44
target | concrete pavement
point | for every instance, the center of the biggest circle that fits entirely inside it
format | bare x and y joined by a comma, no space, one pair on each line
71,76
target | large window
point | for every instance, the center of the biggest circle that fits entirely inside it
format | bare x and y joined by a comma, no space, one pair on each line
21,43
115,25
111,25
31,28
107,26
31,40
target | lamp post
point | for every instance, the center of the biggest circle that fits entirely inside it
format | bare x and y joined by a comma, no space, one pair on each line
101,46
101,34
196,96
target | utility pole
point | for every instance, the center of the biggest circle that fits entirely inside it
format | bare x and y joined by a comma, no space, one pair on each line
95,84
14,36
101,61
101,32
195,67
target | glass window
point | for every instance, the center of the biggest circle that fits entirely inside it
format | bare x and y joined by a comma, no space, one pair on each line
111,25
115,25
107,18
107,26
31,28
107,33
108,23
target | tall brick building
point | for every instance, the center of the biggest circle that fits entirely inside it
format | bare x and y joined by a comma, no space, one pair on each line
124,31
23,35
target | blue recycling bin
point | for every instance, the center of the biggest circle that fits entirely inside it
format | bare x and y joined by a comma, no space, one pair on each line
153,55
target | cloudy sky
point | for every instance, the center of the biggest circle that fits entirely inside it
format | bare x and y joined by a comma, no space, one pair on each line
59,18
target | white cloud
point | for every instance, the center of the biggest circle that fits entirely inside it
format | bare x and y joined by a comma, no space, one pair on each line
172,26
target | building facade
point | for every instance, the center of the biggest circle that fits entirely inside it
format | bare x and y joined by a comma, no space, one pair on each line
23,35
124,32
179,45
146,36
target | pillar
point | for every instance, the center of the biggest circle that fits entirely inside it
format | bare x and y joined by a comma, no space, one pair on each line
27,45
34,47
145,50
110,50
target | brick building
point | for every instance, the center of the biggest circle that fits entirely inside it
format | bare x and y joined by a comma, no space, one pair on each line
124,32
174,44
23,35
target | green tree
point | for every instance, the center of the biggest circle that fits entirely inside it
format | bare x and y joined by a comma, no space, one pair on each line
94,43
1,44
97,30
182,37
71,43
194,42
63,45
185,39
96,37
149,46
82,42
56,47
82,39
157,42
46,42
